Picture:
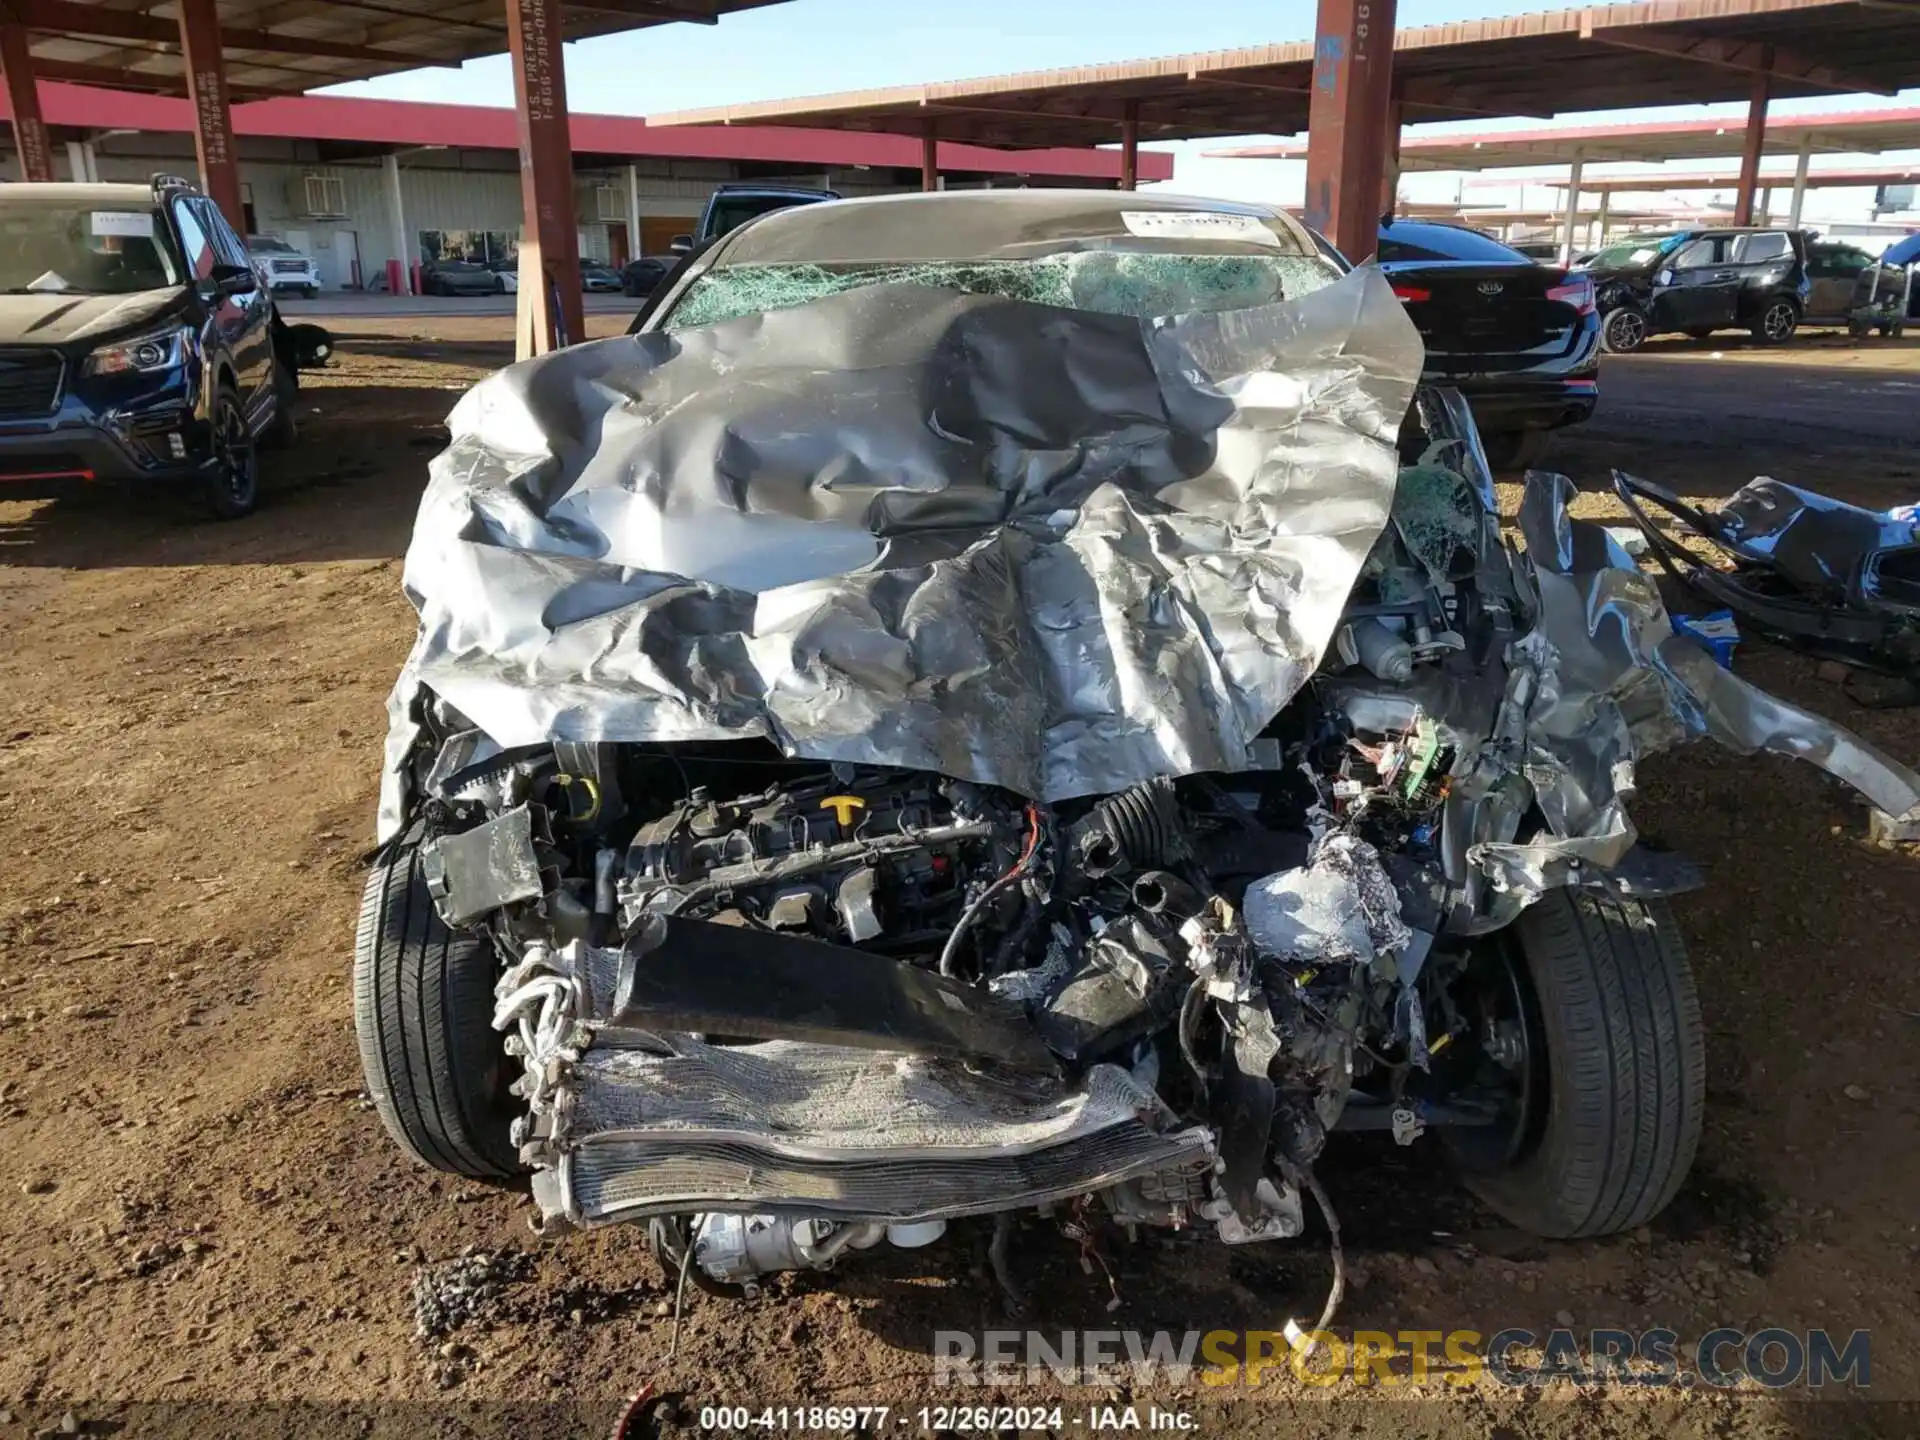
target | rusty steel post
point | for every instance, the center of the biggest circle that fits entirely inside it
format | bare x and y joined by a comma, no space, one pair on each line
1756,140
1130,145
29,130
929,157
553,313
212,113
1346,122
1390,156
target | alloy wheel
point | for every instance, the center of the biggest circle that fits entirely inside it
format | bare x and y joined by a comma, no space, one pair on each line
1626,330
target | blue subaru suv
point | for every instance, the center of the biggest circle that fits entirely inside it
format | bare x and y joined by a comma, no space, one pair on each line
136,344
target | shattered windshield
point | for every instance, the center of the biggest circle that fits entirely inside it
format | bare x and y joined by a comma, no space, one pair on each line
1634,250
1107,282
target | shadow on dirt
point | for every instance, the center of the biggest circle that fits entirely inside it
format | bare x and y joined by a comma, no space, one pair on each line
346,490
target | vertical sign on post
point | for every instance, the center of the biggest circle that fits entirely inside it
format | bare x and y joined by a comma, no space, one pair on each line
546,176
1347,118
212,114
29,130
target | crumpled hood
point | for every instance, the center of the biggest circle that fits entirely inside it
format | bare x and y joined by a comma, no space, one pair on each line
54,319
1056,551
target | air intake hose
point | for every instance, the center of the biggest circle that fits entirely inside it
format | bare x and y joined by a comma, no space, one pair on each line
1137,829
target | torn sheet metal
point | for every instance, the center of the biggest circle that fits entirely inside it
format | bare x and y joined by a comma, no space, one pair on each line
1055,551
1602,680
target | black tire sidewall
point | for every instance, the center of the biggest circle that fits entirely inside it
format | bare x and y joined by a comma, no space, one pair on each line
1624,1066
226,500
423,1013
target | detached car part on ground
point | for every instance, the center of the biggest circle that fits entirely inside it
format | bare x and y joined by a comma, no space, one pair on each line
1833,579
912,735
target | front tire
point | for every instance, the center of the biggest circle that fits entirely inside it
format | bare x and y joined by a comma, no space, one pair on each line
1623,331
233,487
1617,1097
423,1011
1776,324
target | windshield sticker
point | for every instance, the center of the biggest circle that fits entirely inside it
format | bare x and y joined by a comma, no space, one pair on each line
1198,225
123,222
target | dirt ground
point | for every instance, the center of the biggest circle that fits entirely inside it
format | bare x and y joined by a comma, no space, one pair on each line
200,1205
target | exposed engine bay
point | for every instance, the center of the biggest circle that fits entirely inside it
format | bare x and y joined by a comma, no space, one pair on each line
1097,849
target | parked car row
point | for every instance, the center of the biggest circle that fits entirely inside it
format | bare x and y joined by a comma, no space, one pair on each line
473,277
1767,280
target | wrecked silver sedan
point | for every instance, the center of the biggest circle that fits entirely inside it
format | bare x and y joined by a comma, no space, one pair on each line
1011,700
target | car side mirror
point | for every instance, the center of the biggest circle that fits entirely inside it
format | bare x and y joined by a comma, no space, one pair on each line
681,245
1665,277
233,280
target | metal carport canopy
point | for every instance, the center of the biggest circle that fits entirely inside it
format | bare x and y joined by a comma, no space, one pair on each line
285,47
1660,52
1851,132
1853,176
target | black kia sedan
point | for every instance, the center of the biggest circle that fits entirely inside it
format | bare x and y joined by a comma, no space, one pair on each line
1521,340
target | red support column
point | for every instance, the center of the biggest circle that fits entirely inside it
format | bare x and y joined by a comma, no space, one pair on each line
1130,145
550,246
213,116
1390,157
1346,118
1755,140
29,130
929,158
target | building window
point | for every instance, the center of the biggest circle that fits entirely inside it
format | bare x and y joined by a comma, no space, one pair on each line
326,197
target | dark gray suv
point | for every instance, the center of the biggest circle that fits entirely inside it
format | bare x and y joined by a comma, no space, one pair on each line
1694,282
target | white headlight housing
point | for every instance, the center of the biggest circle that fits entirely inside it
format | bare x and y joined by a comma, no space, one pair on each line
141,354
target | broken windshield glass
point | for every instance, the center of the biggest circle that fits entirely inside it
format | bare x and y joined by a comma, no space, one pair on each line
1105,282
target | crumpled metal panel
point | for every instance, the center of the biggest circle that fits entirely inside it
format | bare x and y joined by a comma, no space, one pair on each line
1602,680
1055,551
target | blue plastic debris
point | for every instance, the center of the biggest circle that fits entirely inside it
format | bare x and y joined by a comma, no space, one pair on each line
1716,631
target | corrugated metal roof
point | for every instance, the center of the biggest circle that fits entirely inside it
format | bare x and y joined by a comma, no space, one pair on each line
282,47
1546,63
1850,132
1857,176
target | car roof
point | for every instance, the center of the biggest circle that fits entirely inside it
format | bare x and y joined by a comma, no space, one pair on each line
89,194
995,224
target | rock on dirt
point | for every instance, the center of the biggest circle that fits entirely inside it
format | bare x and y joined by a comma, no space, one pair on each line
451,1294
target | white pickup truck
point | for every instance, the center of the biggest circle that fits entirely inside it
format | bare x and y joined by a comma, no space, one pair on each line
282,267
